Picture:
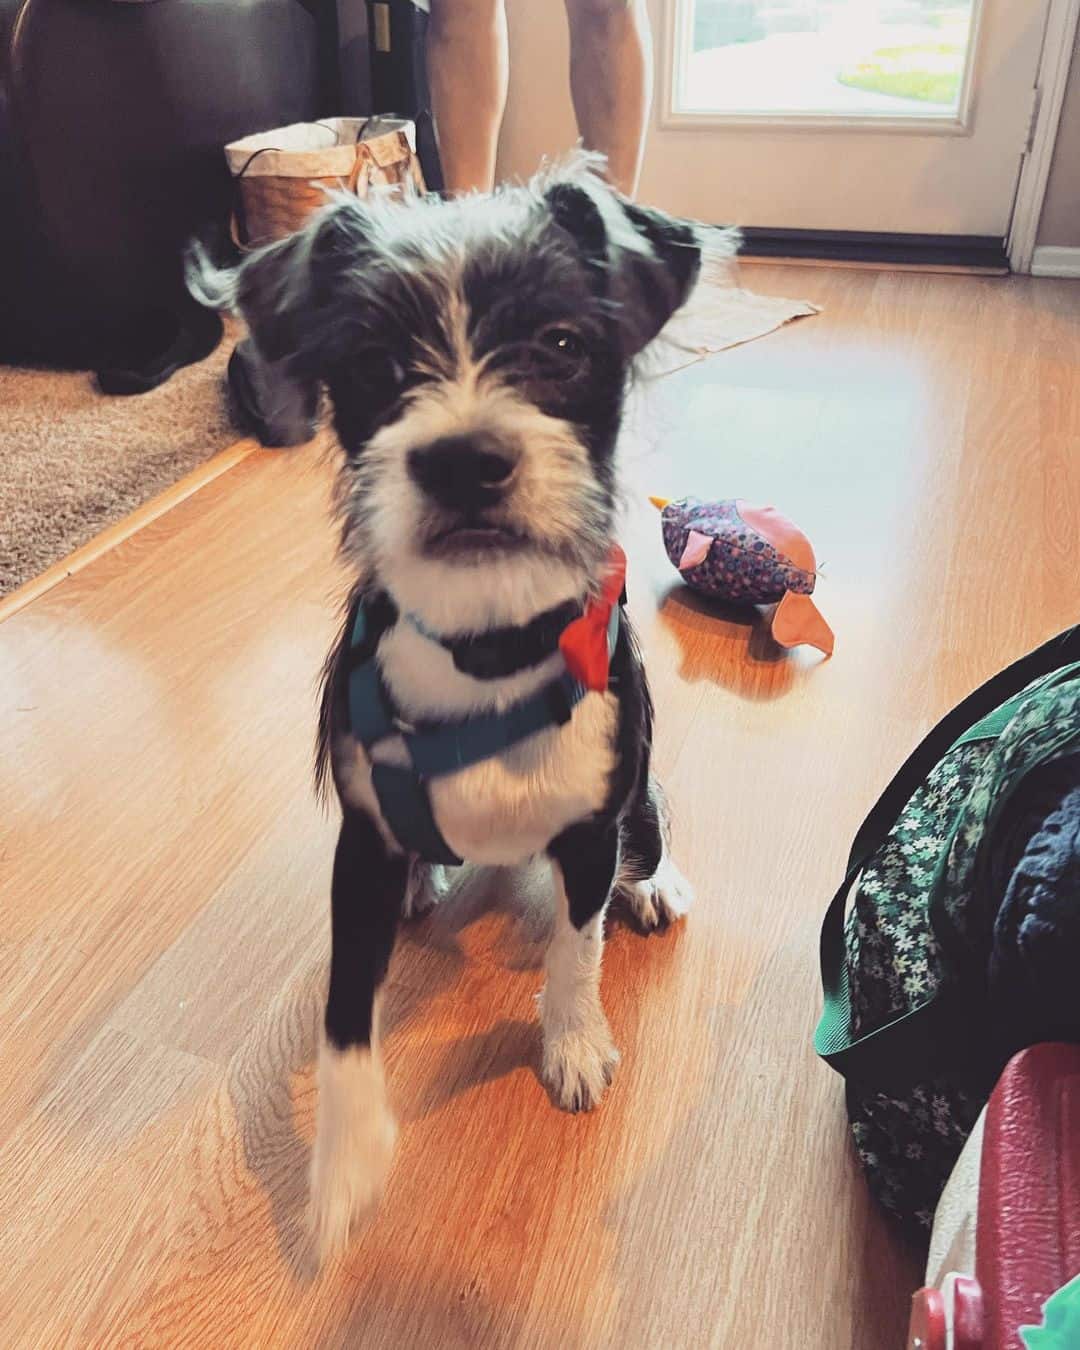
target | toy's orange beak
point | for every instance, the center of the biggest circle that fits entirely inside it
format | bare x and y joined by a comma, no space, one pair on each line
660,502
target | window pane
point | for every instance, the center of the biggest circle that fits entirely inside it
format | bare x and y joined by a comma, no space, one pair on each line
892,58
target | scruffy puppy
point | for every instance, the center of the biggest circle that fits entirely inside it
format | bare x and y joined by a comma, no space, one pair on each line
486,700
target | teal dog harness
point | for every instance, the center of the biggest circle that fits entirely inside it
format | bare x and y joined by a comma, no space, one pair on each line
436,749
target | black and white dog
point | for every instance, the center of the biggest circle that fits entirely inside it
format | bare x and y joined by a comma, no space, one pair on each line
476,353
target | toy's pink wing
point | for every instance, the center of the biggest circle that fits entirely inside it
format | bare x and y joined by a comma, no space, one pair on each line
788,540
696,550
798,620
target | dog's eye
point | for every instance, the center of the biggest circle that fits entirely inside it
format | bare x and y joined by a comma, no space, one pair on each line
382,367
563,343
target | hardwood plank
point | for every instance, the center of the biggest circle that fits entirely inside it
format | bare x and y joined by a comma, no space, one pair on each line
169,761
77,1177
164,873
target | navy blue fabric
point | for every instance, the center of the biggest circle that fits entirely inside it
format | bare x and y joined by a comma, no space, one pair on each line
406,806
1036,942
450,746
370,716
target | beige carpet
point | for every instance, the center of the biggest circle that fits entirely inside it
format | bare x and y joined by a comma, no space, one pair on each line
73,461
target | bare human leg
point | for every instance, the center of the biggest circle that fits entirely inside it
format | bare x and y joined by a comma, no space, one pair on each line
468,70
611,81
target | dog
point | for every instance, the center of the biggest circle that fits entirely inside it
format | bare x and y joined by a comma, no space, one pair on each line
476,353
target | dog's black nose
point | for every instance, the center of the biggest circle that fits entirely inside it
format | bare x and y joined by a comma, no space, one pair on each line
463,471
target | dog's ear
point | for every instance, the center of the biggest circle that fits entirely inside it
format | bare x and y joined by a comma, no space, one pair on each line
647,262
284,292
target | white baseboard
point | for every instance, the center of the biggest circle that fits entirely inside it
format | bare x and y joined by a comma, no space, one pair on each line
1049,261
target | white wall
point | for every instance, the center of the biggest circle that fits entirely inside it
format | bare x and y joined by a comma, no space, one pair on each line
540,117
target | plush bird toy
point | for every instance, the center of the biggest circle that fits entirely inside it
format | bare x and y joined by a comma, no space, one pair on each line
733,551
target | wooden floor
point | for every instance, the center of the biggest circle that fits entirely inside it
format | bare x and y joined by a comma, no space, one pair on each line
165,874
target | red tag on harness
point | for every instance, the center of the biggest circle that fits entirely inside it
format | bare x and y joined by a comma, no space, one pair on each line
584,643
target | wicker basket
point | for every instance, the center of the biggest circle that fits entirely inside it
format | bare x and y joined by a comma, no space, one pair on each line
282,176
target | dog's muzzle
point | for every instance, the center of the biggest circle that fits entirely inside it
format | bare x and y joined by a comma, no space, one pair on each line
464,473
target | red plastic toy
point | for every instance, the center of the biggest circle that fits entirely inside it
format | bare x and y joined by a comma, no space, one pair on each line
1026,1208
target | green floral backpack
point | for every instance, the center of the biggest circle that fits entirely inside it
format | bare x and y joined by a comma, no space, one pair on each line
908,1018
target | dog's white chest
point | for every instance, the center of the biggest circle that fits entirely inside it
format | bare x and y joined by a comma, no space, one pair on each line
511,806
508,808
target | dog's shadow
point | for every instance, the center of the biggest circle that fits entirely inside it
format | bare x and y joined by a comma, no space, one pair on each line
727,644
512,905
514,909
271,1083
496,917
271,1079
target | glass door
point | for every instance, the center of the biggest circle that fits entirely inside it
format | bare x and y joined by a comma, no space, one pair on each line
885,116
905,62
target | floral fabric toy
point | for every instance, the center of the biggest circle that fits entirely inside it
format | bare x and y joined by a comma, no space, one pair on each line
731,550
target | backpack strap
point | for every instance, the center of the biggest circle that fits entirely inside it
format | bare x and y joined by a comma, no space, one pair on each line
911,1045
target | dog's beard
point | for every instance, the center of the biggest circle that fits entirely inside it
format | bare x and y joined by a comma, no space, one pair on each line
549,535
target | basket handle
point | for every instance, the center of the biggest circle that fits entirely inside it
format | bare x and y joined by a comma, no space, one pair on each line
361,169
234,233
251,158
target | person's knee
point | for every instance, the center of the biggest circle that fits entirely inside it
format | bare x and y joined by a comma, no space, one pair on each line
462,16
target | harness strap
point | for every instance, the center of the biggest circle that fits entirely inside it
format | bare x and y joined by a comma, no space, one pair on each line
438,749
406,807
370,714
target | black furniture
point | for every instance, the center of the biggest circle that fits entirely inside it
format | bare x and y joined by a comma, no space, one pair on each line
113,115
397,38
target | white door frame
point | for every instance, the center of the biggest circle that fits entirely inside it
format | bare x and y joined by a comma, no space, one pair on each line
1052,80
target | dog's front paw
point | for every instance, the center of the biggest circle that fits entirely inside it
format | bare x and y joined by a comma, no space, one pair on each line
663,899
428,884
354,1146
578,1065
